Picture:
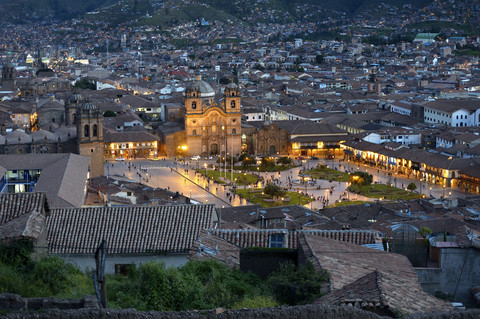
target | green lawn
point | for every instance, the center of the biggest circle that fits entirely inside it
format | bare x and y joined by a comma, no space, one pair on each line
323,172
384,191
256,196
218,176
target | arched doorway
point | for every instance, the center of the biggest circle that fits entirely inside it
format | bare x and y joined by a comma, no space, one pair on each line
272,150
214,149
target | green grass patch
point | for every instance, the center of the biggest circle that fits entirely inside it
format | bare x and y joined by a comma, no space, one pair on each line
256,196
384,192
219,177
322,172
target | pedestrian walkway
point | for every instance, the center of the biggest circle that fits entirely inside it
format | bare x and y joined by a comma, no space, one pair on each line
202,195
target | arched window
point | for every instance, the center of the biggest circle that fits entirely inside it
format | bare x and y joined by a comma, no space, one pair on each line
194,105
86,130
194,132
233,93
95,130
232,104
234,131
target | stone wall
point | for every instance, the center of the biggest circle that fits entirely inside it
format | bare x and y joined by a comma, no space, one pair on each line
300,312
15,303
14,307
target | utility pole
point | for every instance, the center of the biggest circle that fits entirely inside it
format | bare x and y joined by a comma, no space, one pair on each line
99,275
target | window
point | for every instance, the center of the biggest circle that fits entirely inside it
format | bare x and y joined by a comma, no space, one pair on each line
276,241
194,105
53,120
234,131
232,104
194,132
86,130
95,130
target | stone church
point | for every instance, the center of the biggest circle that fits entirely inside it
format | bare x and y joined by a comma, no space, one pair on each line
82,134
212,127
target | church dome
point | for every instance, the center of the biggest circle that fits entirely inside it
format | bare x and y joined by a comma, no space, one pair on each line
89,106
43,136
203,88
18,137
75,98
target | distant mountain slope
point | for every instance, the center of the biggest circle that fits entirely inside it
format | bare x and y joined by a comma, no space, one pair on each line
22,11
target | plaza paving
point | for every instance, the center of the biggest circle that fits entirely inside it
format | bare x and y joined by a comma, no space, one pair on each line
182,177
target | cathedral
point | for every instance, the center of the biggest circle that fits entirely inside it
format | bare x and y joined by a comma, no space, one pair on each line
212,127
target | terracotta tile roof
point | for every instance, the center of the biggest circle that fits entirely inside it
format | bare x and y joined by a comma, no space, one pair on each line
361,216
467,237
261,237
208,246
351,266
15,205
30,225
131,136
132,230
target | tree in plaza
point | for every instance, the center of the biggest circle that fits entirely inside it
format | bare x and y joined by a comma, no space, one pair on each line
268,162
361,179
411,187
273,190
221,159
284,160
247,161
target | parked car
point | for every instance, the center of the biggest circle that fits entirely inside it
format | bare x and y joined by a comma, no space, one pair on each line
120,159
195,158
330,156
314,158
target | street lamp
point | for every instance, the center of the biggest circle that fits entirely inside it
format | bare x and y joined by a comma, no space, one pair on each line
231,155
205,165
430,192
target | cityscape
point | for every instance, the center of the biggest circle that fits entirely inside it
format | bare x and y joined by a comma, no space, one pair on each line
219,158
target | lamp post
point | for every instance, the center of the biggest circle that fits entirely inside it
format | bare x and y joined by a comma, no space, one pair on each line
231,155
430,192
224,131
